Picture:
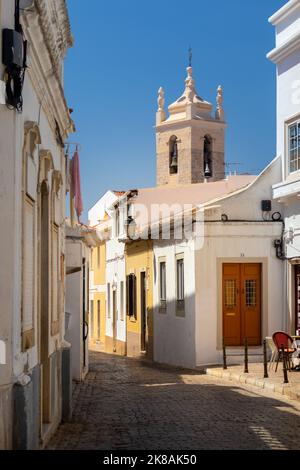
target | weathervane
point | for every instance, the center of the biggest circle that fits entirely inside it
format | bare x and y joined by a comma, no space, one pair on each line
190,56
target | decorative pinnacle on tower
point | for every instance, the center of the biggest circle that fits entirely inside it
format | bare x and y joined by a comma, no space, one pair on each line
220,110
160,114
190,138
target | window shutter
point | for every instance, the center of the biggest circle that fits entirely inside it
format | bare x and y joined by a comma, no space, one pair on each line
28,267
55,274
134,310
127,295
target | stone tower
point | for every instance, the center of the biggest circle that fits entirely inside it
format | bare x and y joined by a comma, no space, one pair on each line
190,141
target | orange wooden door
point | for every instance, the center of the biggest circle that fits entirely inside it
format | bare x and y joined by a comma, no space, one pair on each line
242,304
251,303
231,305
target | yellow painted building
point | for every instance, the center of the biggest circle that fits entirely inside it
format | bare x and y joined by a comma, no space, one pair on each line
139,298
98,296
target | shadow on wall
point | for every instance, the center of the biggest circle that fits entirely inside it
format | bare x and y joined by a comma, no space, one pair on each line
175,332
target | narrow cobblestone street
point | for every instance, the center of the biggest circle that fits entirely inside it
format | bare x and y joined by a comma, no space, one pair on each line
130,404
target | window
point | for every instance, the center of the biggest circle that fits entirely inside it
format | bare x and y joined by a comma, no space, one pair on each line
297,296
92,261
122,301
55,273
92,319
180,284
230,293
117,222
28,266
108,300
294,147
131,295
98,257
162,285
173,155
98,319
207,156
250,292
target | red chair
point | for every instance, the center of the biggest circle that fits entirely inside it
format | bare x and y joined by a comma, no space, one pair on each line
284,345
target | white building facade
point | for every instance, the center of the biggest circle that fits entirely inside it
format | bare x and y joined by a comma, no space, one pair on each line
79,242
286,56
232,281
115,275
32,206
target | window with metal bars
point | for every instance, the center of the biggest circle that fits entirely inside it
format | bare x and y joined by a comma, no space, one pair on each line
131,295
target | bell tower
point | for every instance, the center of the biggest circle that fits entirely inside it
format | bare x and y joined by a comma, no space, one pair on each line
190,141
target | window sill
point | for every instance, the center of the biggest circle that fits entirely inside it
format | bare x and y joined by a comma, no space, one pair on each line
180,313
286,188
180,308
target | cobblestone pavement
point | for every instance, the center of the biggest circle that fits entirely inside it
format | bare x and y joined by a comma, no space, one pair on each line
130,404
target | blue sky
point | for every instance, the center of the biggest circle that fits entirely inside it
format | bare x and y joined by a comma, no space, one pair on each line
125,50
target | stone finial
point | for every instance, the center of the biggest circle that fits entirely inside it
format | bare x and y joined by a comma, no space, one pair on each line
190,91
161,99
220,110
160,114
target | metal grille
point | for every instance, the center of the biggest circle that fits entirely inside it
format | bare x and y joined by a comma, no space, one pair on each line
230,293
250,292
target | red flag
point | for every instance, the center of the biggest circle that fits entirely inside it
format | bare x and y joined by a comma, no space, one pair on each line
76,184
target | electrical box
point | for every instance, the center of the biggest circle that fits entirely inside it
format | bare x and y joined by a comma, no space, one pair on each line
12,48
266,206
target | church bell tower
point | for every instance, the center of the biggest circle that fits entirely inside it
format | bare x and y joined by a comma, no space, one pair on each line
190,141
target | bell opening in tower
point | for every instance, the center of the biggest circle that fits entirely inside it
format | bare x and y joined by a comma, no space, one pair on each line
207,156
173,160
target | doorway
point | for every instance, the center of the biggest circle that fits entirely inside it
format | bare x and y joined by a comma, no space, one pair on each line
297,297
242,304
143,311
98,320
114,320
44,305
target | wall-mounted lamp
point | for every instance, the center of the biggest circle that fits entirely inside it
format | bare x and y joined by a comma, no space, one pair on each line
224,218
276,216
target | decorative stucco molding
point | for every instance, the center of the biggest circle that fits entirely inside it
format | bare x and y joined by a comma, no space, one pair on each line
55,24
280,53
286,10
31,127
47,29
46,165
57,180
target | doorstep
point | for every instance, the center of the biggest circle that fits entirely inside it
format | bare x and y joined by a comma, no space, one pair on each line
255,378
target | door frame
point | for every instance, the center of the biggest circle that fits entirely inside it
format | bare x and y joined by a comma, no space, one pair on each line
114,318
143,303
264,294
295,274
241,309
44,305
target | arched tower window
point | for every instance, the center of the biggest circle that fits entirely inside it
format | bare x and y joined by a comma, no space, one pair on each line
173,155
207,156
